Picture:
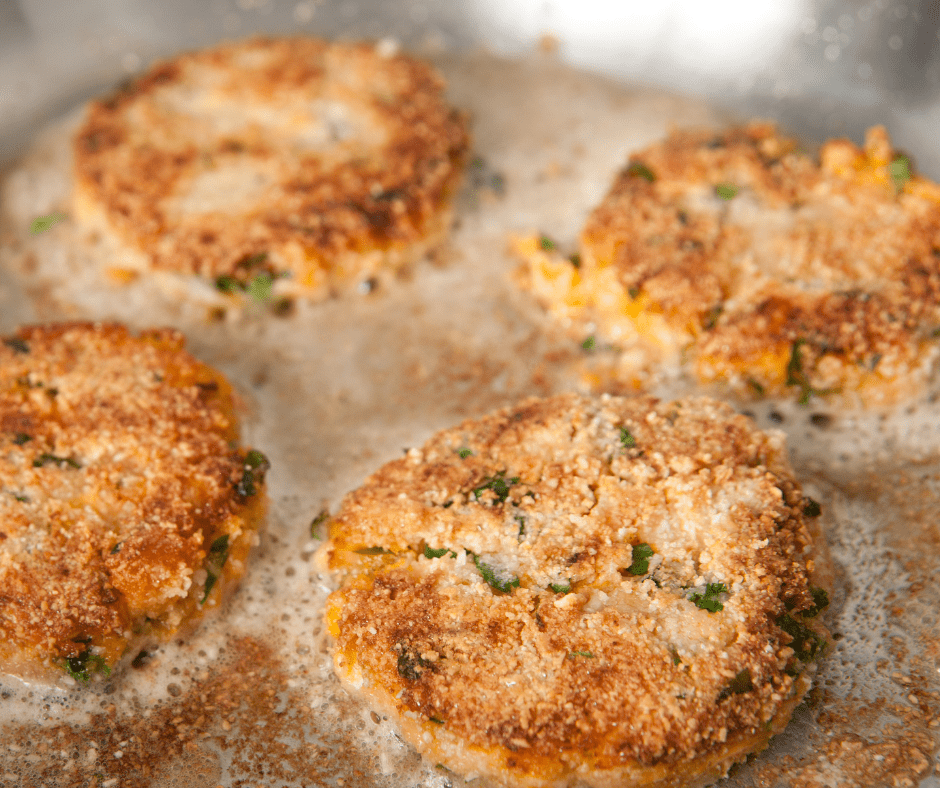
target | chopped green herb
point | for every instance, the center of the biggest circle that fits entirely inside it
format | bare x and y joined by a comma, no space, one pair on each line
45,457
575,260
820,602
260,287
806,643
626,438
499,484
42,223
215,560
254,469
641,559
727,191
546,243
20,498
411,666
16,344
447,504
676,659
81,667
436,720
589,344
756,386
561,588
711,317
899,170
797,377
634,293
440,552
709,600
637,169
740,684
117,548
372,551
521,520
21,438
464,452
811,508
227,284
317,522
503,586
586,654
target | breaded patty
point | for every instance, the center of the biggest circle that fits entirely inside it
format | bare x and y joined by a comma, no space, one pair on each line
760,266
602,591
127,508
314,164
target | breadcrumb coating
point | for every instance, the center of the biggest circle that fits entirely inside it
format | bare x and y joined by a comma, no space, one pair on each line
761,267
608,591
316,163
127,508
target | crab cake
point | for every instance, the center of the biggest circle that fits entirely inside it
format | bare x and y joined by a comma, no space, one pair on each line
759,266
608,591
127,509
310,165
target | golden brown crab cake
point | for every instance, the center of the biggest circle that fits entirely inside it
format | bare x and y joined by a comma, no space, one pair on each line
314,165
757,265
127,510
600,591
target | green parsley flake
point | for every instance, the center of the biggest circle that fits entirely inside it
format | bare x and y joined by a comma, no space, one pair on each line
811,508
489,575
561,588
21,438
899,170
547,244
806,643
317,522
641,559
626,438
255,467
440,552
464,452
372,551
637,169
42,223
81,667
499,484
589,344
585,654
45,458
260,287
797,377
709,600
17,345
727,191
215,560
575,260
820,602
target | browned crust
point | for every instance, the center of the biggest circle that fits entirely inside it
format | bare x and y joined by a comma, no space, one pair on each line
386,191
119,470
831,254
621,679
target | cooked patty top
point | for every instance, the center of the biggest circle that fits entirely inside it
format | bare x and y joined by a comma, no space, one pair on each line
765,265
271,156
126,504
604,581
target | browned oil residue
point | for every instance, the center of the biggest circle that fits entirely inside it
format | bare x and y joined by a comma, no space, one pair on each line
238,720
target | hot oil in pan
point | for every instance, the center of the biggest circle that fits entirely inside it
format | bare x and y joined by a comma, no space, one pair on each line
338,388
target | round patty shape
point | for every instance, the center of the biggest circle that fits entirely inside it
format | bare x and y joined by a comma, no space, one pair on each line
609,591
320,163
761,266
126,508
